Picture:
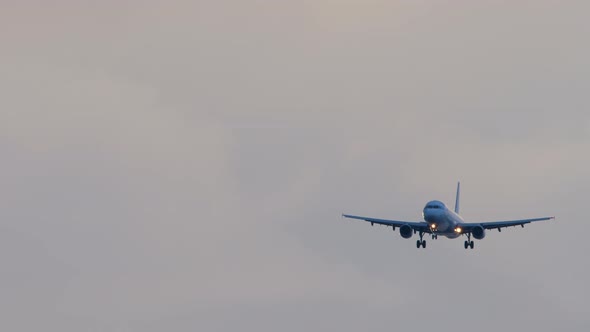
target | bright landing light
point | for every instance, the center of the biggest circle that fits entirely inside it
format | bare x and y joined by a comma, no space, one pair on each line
458,229
433,226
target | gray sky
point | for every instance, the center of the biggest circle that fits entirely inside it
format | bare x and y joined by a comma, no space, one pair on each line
183,166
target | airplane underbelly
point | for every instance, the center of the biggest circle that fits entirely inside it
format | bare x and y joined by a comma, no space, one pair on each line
447,228
452,235
443,225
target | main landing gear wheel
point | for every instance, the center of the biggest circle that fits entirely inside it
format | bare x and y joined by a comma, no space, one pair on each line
469,243
421,242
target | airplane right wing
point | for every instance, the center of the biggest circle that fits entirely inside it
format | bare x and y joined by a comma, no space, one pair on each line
417,226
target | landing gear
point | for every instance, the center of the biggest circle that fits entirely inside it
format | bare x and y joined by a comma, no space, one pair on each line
469,243
434,236
421,242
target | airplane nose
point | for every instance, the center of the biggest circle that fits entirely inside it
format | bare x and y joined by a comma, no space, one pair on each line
428,216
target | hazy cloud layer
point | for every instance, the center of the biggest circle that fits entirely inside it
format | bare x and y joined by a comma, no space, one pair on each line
183,166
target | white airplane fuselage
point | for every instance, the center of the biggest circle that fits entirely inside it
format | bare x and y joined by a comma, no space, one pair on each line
441,220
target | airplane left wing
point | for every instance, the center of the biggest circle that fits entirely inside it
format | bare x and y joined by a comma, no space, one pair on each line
501,224
418,226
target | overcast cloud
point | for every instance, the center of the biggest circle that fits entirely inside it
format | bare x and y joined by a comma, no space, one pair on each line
182,166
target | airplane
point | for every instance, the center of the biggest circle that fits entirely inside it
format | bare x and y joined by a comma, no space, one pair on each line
439,220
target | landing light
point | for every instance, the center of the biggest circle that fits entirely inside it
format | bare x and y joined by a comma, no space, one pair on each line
433,226
458,230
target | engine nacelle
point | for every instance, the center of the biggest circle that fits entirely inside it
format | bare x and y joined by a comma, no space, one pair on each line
406,231
478,232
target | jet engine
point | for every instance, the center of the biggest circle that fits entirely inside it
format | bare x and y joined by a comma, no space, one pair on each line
406,231
478,232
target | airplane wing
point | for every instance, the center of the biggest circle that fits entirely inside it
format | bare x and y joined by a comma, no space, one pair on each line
501,224
418,226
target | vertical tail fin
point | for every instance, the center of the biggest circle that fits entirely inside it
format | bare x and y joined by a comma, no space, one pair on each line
458,197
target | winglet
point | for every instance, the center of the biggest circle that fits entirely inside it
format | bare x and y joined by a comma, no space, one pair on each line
457,198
